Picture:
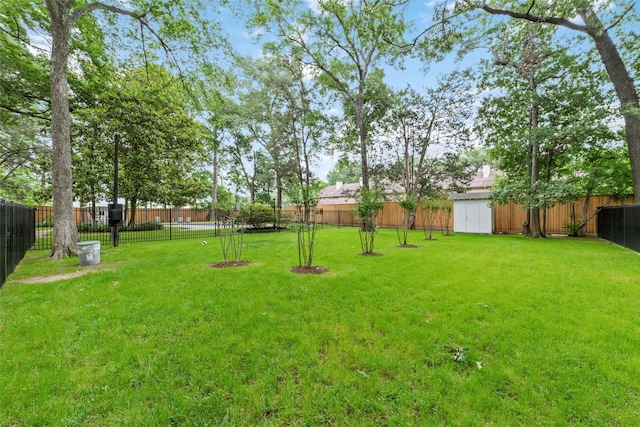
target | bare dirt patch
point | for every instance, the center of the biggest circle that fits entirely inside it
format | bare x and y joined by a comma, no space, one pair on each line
308,270
230,264
54,278
408,245
370,254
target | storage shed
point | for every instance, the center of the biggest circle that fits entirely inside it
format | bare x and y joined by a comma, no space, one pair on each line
472,212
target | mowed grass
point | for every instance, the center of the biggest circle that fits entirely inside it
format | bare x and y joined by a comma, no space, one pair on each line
155,336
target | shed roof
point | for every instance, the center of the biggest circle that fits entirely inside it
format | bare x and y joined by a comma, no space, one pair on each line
472,195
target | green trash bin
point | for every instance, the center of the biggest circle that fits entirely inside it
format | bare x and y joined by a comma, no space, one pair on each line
89,252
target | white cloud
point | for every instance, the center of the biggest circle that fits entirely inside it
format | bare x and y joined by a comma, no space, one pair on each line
314,6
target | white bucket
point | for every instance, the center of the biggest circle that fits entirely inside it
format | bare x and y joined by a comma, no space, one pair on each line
89,252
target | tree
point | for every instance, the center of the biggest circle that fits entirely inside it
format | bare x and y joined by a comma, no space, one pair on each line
345,41
598,20
24,110
426,133
160,144
550,107
21,147
345,171
23,75
600,169
175,20
92,135
266,106
306,127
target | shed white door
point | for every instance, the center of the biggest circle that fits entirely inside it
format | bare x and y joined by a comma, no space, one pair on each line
472,216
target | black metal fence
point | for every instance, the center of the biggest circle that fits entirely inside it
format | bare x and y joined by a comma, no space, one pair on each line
621,225
17,235
155,224
165,224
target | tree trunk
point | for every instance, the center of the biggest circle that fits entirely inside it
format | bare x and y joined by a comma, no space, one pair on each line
582,230
134,206
536,230
65,231
214,189
628,96
362,135
367,223
526,225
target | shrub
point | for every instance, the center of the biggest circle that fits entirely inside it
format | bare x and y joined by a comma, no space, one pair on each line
143,226
104,228
90,228
256,215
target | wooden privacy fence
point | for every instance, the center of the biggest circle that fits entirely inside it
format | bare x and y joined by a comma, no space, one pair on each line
506,218
391,216
509,218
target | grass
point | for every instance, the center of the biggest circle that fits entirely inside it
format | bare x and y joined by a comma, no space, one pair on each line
155,336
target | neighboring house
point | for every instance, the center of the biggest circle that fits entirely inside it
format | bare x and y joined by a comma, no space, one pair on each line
342,194
472,211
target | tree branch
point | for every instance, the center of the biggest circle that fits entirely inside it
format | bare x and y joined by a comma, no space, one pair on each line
538,19
37,115
617,21
77,14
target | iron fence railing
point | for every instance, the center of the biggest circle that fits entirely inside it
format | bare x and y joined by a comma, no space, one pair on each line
17,235
165,224
155,224
621,225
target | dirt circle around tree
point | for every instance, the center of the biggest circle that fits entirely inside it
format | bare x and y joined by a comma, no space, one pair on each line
370,254
408,245
230,264
308,270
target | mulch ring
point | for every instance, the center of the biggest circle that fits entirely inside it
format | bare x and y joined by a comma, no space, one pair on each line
408,245
370,254
230,264
308,270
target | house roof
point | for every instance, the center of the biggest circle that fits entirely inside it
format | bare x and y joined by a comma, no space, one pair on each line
480,185
343,193
478,188
484,178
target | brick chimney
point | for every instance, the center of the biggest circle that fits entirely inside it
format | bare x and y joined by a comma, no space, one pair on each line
486,170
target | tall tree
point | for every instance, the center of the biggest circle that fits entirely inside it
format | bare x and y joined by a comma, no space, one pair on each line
346,41
160,144
547,106
263,97
598,20
427,132
24,109
164,21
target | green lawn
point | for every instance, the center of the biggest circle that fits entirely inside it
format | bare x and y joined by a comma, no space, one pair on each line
155,336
